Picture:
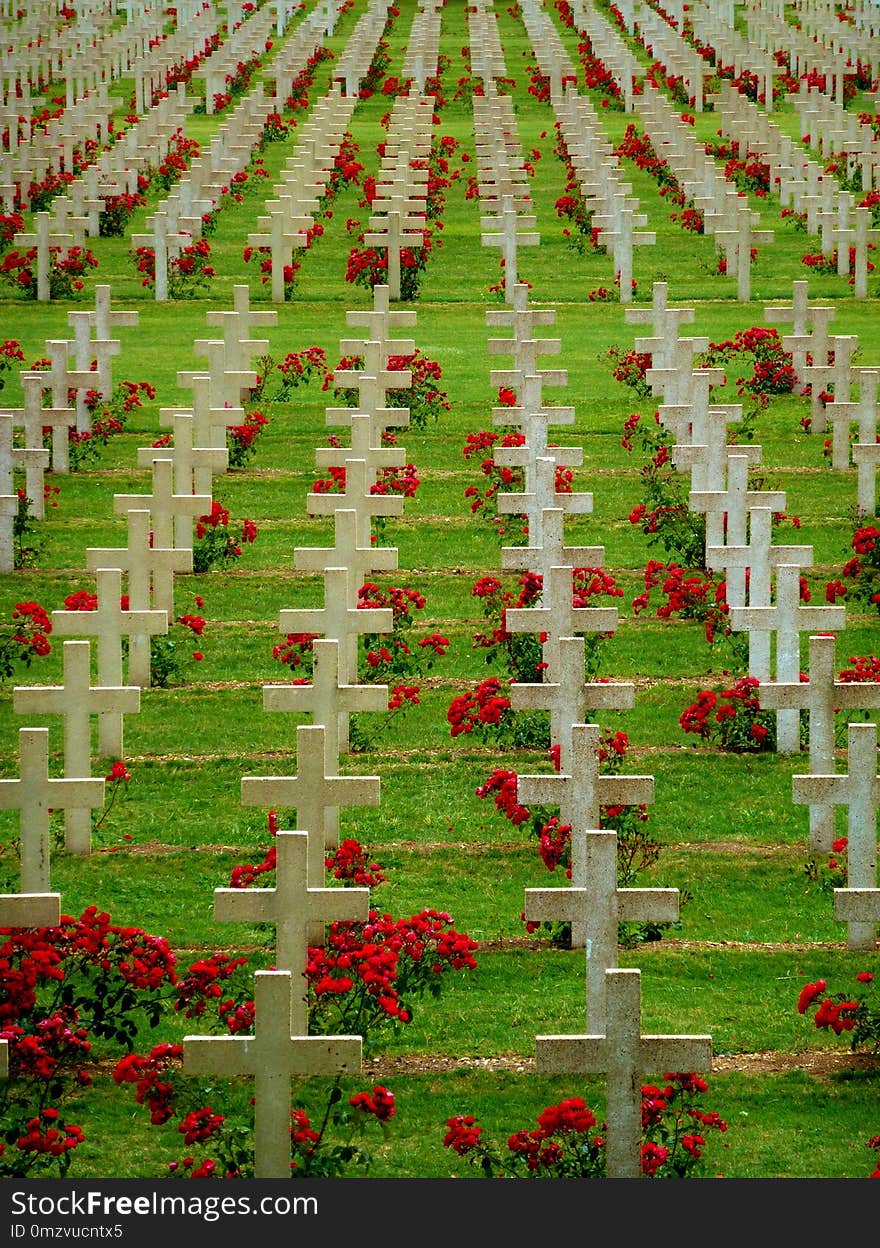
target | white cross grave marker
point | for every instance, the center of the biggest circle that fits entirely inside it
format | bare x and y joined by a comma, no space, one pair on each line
623,1054
272,1056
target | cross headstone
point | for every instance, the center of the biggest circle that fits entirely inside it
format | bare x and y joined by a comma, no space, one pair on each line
532,503
298,911
865,237
338,620
358,559
551,551
597,906
727,514
664,322
395,231
580,791
164,504
859,790
44,238
109,623
788,618
568,697
558,617
76,700
272,1056
759,557
357,497
327,697
193,471
311,792
512,232
30,909
34,794
150,570
821,696
624,1055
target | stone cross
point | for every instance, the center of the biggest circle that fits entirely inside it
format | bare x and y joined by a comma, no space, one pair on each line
841,411
524,321
357,559
381,320
552,551
338,620
395,231
30,909
664,322
738,240
62,378
799,315
210,417
866,456
76,701
164,504
222,395
86,352
866,450
558,617
34,795
280,232
298,911
580,792
31,456
44,238
597,906
511,234
357,497
150,570
8,496
624,1055
166,243
533,503
60,418
311,791
272,1056
843,230
759,556
193,472
727,512
109,623
569,697
372,380
364,446
860,792
822,696
103,320
865,237
788,618
238,324
327,697
816,343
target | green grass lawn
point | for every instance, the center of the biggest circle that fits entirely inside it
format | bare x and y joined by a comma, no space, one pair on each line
753,928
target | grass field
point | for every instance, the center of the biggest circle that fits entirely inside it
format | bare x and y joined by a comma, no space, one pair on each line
753,929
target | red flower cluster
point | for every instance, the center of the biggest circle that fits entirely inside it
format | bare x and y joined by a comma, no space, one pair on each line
241,439
150,1075
733,718
484,707
368,969
49,1135
501,786
350,862
379,1103
26,638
